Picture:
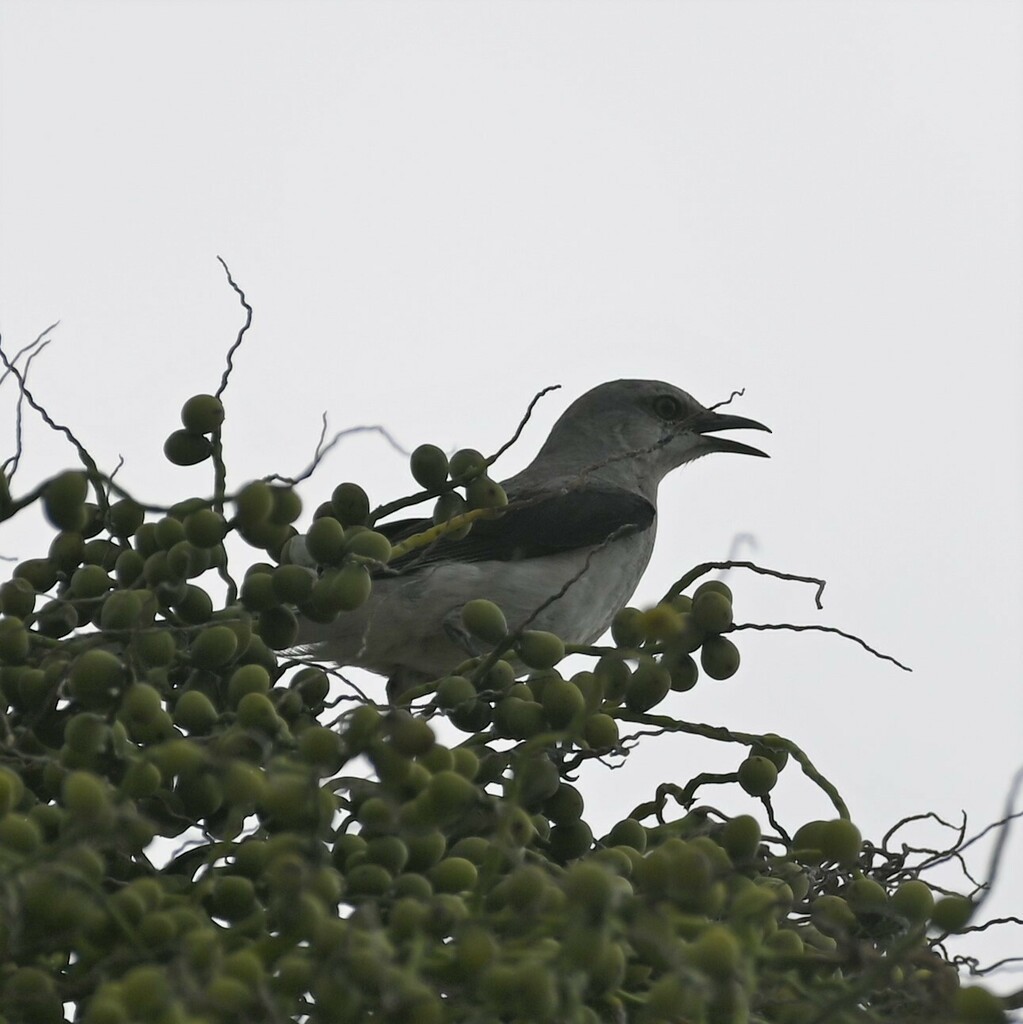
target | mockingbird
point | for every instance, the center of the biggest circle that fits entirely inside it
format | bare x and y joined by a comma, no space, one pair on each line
581,518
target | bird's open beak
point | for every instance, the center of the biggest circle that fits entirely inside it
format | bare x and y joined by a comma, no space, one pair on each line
708,422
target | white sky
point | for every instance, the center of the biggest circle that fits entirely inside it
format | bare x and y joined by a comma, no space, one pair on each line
439,208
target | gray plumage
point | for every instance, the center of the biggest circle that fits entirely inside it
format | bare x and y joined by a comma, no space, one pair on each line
590,493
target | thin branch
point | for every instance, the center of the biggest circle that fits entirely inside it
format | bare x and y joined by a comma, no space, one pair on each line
522,423
762,626
92,470
705,567
241,333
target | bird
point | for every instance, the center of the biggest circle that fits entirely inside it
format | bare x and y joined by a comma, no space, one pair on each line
564,556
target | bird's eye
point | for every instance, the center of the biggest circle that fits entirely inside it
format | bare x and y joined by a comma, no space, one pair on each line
668,407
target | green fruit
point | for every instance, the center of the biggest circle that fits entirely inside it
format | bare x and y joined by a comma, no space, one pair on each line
350,587
142,779
627,628
213,647
716,952
832,915
448,795
325,541
254,504
121,610
429,466
278,628
841,841
40,573
258,593
183,448
952,913
600,732
17,598
569,840
194,606
124,517
627,832
293,584
245,680
485,493
66,550
740,837
682,669
84,795
202,414
11,790
454,690
368,544
453,874
64,500
95,679
757,775
155,648
483,619
351,504
129,567
14,641
562,702
256,711
467,463
205,528
566,804
648,686
713,587
287,506
866,896
540,650
86,734
320,746
712,611
195,713
913,900
719,657
447,507
976,1005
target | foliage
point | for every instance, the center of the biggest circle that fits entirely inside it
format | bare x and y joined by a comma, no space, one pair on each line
336,861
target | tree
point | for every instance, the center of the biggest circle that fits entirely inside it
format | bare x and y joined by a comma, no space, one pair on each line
335,860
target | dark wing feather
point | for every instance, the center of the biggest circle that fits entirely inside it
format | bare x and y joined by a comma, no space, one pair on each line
534,527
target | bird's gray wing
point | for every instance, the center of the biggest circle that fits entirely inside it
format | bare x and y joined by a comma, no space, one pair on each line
533,526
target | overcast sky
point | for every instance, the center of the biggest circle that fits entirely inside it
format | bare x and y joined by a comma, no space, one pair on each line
439,208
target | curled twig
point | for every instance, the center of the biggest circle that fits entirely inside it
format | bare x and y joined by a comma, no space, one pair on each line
761,626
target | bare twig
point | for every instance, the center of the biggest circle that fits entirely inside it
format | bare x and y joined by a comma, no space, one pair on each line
761,626
241,333
522,423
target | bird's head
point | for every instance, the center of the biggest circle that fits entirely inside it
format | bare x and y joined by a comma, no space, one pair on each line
639,429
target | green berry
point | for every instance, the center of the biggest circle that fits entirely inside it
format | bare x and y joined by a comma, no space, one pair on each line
64,500
466,464
205,528
429,466
913,900
213,647
194,712
719,657
757,775
202,414
183,448
483,619
712,611
351,504
952,913
253,504
95,679
540,650
124,517
325,541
